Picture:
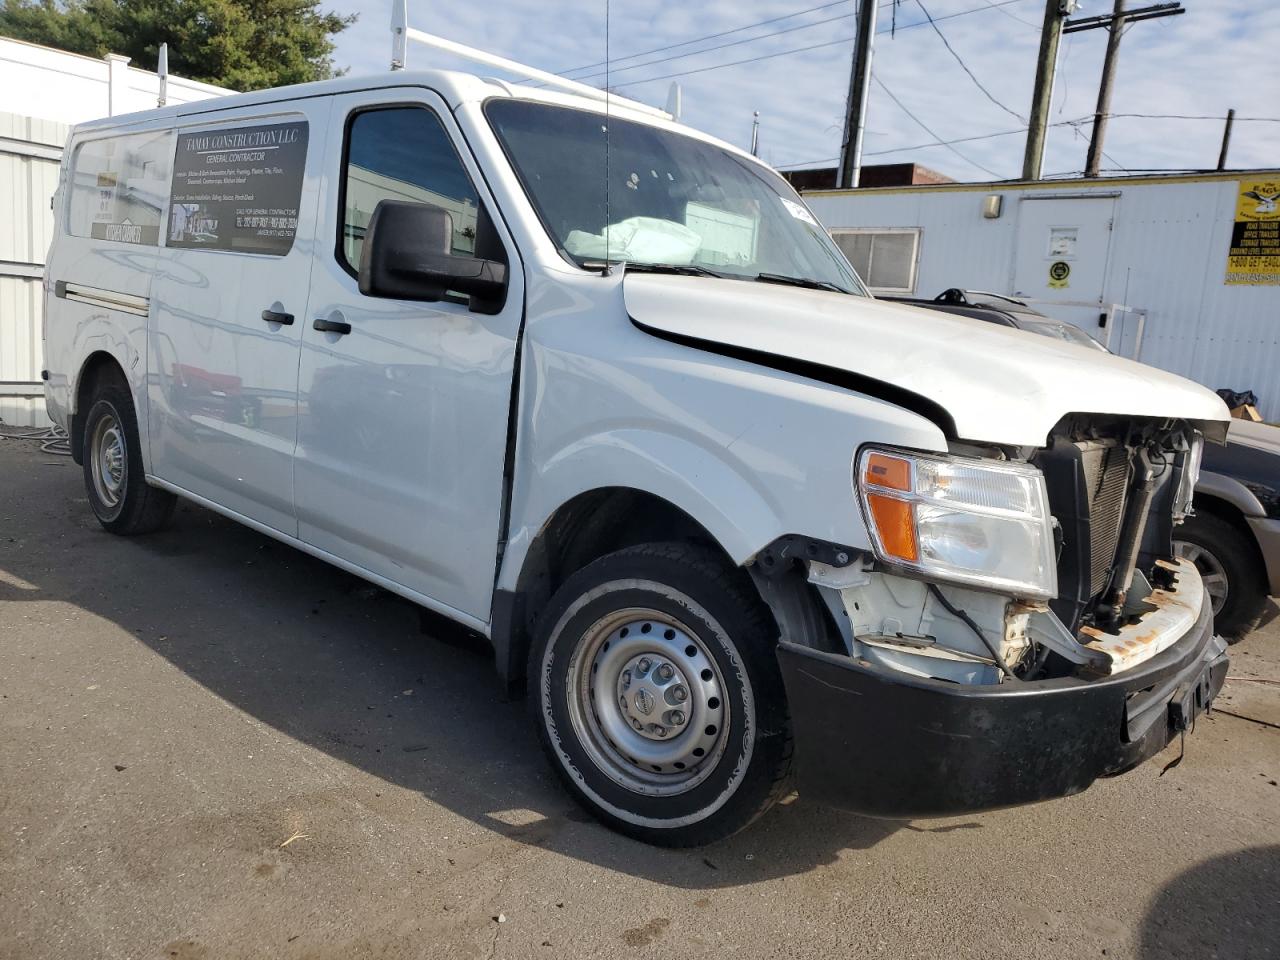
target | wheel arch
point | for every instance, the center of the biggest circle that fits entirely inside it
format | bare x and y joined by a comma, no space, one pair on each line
97,366
585,527
590,525
1227,510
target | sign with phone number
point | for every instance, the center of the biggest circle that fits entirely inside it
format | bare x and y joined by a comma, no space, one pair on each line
1254,257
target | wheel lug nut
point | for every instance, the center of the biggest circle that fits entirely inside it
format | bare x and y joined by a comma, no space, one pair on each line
675,717
658,730
665,672
679,694
643,666
626,679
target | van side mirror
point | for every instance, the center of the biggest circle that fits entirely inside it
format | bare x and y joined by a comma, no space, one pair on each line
406,256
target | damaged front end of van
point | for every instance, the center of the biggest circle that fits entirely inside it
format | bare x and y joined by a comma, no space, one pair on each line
1020,627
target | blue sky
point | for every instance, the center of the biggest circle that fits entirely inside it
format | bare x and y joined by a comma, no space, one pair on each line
1220,54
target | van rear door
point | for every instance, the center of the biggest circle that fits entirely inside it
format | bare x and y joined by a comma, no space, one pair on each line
404,404
230,305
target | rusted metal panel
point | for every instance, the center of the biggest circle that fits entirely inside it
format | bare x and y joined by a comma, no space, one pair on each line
1175,612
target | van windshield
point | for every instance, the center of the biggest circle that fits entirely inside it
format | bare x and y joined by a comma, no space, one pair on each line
673,201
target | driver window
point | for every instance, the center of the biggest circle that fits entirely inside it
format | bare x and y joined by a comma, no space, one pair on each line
402,153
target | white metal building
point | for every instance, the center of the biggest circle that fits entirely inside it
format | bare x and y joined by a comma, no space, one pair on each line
1182,272
43,92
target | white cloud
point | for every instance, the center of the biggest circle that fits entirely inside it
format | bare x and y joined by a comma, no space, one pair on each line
1219,54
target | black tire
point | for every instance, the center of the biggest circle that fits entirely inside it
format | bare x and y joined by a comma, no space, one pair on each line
725,642
1236,556
120,496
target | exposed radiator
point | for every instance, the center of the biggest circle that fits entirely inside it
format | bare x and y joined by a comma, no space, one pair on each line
1106,472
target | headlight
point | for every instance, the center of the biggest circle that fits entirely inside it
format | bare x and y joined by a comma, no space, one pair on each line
1187,479
978,522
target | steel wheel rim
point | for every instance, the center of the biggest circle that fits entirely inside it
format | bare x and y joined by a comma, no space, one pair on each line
1212,573
109,461
629,715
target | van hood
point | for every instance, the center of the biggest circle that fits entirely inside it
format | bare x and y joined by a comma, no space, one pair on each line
997,384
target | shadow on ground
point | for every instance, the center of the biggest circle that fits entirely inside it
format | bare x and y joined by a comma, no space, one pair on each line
330,661
1245,884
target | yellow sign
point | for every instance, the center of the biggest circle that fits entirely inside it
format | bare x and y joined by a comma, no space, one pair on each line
1059,272
1254,257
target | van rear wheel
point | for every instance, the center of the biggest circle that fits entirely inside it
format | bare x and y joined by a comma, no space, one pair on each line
119,494
658,695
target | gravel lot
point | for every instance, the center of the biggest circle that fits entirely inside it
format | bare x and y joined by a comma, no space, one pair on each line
213,746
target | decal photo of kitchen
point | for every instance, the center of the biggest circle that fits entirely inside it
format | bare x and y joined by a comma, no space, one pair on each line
562,479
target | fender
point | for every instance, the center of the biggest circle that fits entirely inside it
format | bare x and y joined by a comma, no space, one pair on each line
107,345
711,487
1231,491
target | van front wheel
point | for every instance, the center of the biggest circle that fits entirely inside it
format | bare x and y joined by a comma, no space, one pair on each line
658,695
118,491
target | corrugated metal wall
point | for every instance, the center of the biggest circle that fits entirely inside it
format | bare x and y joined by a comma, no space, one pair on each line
1168,255
29,153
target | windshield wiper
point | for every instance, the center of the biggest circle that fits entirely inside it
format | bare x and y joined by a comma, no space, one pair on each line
799,282
681,269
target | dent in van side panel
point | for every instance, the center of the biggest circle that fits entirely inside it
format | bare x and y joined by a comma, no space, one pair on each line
604,404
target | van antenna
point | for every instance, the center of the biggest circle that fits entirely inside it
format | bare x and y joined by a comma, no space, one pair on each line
162,70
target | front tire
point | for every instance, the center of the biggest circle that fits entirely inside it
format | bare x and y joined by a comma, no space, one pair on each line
1231,570
114,480
658,696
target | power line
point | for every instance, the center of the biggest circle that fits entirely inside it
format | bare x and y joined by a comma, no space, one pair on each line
734,63
1012,16
1183,116
710,36
1077,122
718,46
805,49
905,109
944,143
965,67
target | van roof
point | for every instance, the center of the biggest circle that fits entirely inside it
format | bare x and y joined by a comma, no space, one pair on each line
455,87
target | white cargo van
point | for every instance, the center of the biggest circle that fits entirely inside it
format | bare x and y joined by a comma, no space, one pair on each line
601,388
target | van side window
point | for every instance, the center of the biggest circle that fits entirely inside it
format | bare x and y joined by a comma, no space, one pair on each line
120,186
402,153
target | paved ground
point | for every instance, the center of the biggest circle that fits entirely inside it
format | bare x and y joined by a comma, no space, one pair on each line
212,746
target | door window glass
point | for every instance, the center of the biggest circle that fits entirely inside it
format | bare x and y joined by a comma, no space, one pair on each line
239,188
403,153
119,186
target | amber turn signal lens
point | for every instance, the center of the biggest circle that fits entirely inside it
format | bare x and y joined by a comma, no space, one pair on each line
896,523
886,471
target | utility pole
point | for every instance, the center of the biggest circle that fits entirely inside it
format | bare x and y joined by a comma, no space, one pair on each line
1055,11
1115,22
1226,139
755,134
855,117
1094,159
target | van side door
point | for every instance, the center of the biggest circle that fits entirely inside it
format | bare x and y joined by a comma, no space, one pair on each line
230,300
403,422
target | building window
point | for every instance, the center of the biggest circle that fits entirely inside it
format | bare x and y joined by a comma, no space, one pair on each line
885,259
403,153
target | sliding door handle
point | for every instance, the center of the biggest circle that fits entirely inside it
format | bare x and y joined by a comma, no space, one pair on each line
275,316
340,327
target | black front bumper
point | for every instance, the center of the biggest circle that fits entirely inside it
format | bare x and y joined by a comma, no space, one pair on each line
886,744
